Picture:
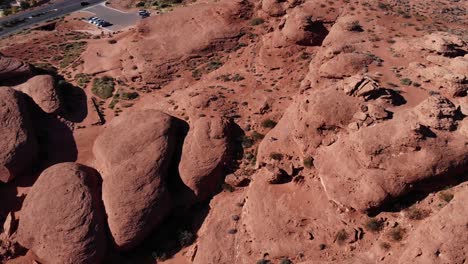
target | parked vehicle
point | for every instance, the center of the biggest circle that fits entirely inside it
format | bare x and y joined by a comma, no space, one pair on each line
144,13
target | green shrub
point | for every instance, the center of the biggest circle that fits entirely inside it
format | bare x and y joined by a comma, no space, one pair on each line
82,79
285,261
417,214
103,87
257,136
355,26
397,233
308,162
446,196
341,236
374,225
406,81
129,96
268,123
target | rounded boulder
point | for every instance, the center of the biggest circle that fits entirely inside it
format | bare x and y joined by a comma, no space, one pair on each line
62,217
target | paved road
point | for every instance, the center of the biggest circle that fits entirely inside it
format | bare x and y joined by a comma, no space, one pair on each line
48,12
119,19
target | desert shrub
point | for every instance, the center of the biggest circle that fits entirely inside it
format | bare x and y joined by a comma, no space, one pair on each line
308,162
276,156
355,26
341,236
82,79
385,246
417,214
112,41
322,246
257,136
374,224
285,261
446,196
268,123
406,81
103,87
72,52
129,96
263,261
256,21
213,65
397,233
237,77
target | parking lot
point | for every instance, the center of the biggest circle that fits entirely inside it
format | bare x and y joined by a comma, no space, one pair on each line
117,18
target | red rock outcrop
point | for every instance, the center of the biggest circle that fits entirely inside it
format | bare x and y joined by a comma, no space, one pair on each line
302,29
62,219
441,238
366,168
42,90
12,68
133,154
204,156
17,143
310,122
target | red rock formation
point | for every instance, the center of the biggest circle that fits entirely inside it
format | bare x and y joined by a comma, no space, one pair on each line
62,218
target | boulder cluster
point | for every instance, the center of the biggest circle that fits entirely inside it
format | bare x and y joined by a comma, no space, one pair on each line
71,208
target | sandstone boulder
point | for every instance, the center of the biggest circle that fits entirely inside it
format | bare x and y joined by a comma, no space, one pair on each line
42,90
273,7
133,155
437,112
12,69
301,29
444,43
18,146
365,169
205,155
62,219
345,65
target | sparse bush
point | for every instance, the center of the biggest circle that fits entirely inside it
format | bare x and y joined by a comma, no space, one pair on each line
385,246
268,123
129,96
256,21
263,261
406,81
103,87
308,162
322,246
285,261
355,26
257,136
112,41
397,233
446,196
417,214
82,79
374,225
341,236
